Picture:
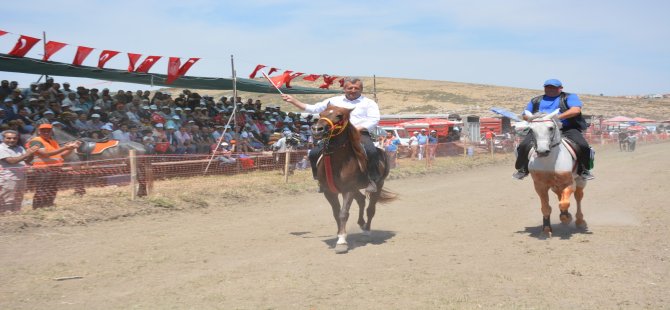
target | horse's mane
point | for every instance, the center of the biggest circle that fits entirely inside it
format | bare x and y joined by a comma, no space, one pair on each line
355,138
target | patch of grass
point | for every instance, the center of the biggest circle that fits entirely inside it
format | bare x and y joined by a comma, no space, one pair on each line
162,202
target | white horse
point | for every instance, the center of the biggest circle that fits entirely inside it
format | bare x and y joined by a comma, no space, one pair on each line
552,166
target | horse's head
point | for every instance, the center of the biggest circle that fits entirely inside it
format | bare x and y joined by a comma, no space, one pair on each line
332,122
546,131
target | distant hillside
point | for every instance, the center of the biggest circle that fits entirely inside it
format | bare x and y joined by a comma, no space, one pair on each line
408,96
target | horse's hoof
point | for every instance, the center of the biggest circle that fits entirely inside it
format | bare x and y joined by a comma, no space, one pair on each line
366,236
341,248
546,232
566,218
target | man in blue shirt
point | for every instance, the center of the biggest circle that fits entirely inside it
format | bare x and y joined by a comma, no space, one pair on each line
573,125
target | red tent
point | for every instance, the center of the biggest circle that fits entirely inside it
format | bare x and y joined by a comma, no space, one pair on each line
644,120
619,119
437,124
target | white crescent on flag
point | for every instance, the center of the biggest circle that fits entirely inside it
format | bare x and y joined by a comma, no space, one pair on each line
22,43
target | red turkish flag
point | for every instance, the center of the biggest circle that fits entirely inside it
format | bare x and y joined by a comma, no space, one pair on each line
23,46
281,79
293,76
187,65
173,69
147,64
82,53
105,56
2,33
51,48
132,60
327,81
311,77
253,74
272,70
341,82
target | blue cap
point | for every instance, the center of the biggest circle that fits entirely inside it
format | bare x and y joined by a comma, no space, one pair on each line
553,82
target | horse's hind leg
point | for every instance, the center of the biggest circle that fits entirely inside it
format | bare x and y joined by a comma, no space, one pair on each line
579,222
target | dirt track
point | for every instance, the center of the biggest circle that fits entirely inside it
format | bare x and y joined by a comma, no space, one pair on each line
463,240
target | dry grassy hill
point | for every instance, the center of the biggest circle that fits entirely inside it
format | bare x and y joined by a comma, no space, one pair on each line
408,96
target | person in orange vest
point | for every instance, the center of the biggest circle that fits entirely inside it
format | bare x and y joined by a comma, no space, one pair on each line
48,159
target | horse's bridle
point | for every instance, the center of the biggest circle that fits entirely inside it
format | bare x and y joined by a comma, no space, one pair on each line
335,126
552,144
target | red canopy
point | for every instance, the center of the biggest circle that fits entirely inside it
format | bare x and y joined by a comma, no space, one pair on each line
643,120
437,124
635,128
619,119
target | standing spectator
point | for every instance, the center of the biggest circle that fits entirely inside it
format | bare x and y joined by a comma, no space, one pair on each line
31,91
391,147
4,89
414,144
13,158
66,90
432,145
422,138
48,160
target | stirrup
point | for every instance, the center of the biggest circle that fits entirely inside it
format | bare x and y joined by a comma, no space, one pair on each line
520,174
587,175
372,187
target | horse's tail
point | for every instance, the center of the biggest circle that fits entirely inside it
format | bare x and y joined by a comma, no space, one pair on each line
386,196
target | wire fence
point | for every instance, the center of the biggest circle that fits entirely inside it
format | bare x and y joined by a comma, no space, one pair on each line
145,175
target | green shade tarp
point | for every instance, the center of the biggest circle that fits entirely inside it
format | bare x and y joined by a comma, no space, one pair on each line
34,66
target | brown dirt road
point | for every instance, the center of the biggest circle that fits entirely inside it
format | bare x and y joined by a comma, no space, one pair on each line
463,240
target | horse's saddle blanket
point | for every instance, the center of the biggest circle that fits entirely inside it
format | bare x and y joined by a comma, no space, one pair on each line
96,148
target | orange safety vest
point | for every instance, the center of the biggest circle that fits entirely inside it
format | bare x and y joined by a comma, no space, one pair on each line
50,146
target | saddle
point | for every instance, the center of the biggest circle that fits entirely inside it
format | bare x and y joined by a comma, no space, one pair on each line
93,147
572,147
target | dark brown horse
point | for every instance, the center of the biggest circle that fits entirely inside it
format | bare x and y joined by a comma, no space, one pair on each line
342,170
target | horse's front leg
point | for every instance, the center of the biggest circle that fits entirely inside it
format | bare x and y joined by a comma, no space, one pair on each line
543,193
341,246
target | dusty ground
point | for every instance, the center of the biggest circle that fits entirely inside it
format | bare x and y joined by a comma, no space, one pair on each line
462,240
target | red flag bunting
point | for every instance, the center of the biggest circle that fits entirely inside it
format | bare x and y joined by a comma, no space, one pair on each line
147,64
293,76
281,79
187,65
51,48
105,56
2,33
82,53
327,81
341,82
311,77
253,74
173,69
132,59
23,46
272,70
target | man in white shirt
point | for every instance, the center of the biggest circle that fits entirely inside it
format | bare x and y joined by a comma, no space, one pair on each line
364,116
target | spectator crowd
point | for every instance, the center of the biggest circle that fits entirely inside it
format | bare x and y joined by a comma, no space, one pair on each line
187,123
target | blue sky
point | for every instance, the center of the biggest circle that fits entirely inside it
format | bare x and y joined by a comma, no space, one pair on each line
610,47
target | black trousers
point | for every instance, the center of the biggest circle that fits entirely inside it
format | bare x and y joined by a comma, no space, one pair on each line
371,152
575,135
